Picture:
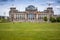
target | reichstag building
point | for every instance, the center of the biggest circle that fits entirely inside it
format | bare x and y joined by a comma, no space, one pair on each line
31,14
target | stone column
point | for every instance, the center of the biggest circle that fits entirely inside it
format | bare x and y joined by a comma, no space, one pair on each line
25,17
36,17
48,17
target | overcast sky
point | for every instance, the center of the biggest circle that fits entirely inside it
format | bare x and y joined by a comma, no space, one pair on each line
22,4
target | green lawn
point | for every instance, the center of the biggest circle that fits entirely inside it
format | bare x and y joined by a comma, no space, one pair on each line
30,31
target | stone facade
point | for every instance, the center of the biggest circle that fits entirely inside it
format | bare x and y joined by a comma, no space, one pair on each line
31,14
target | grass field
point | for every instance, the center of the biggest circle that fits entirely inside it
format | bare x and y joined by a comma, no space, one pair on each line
30,31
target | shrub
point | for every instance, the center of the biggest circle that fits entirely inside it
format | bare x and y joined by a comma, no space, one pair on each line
58,19
52,19
45,18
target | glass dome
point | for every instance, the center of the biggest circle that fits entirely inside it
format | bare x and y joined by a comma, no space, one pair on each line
31,8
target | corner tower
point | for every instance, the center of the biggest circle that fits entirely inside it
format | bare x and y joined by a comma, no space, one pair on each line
50,12
11,13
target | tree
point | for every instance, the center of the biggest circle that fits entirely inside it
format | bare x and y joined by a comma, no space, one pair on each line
45,18
3,20
52,19
0,19
58,19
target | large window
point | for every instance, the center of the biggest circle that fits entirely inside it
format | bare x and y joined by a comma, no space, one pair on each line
31,16
20,17
40,17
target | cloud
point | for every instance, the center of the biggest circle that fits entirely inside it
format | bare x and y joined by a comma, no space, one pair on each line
54,2
58,1
57,7
3,2
6,0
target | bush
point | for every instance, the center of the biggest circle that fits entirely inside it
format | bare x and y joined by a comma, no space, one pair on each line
45,18
52,19
58,19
